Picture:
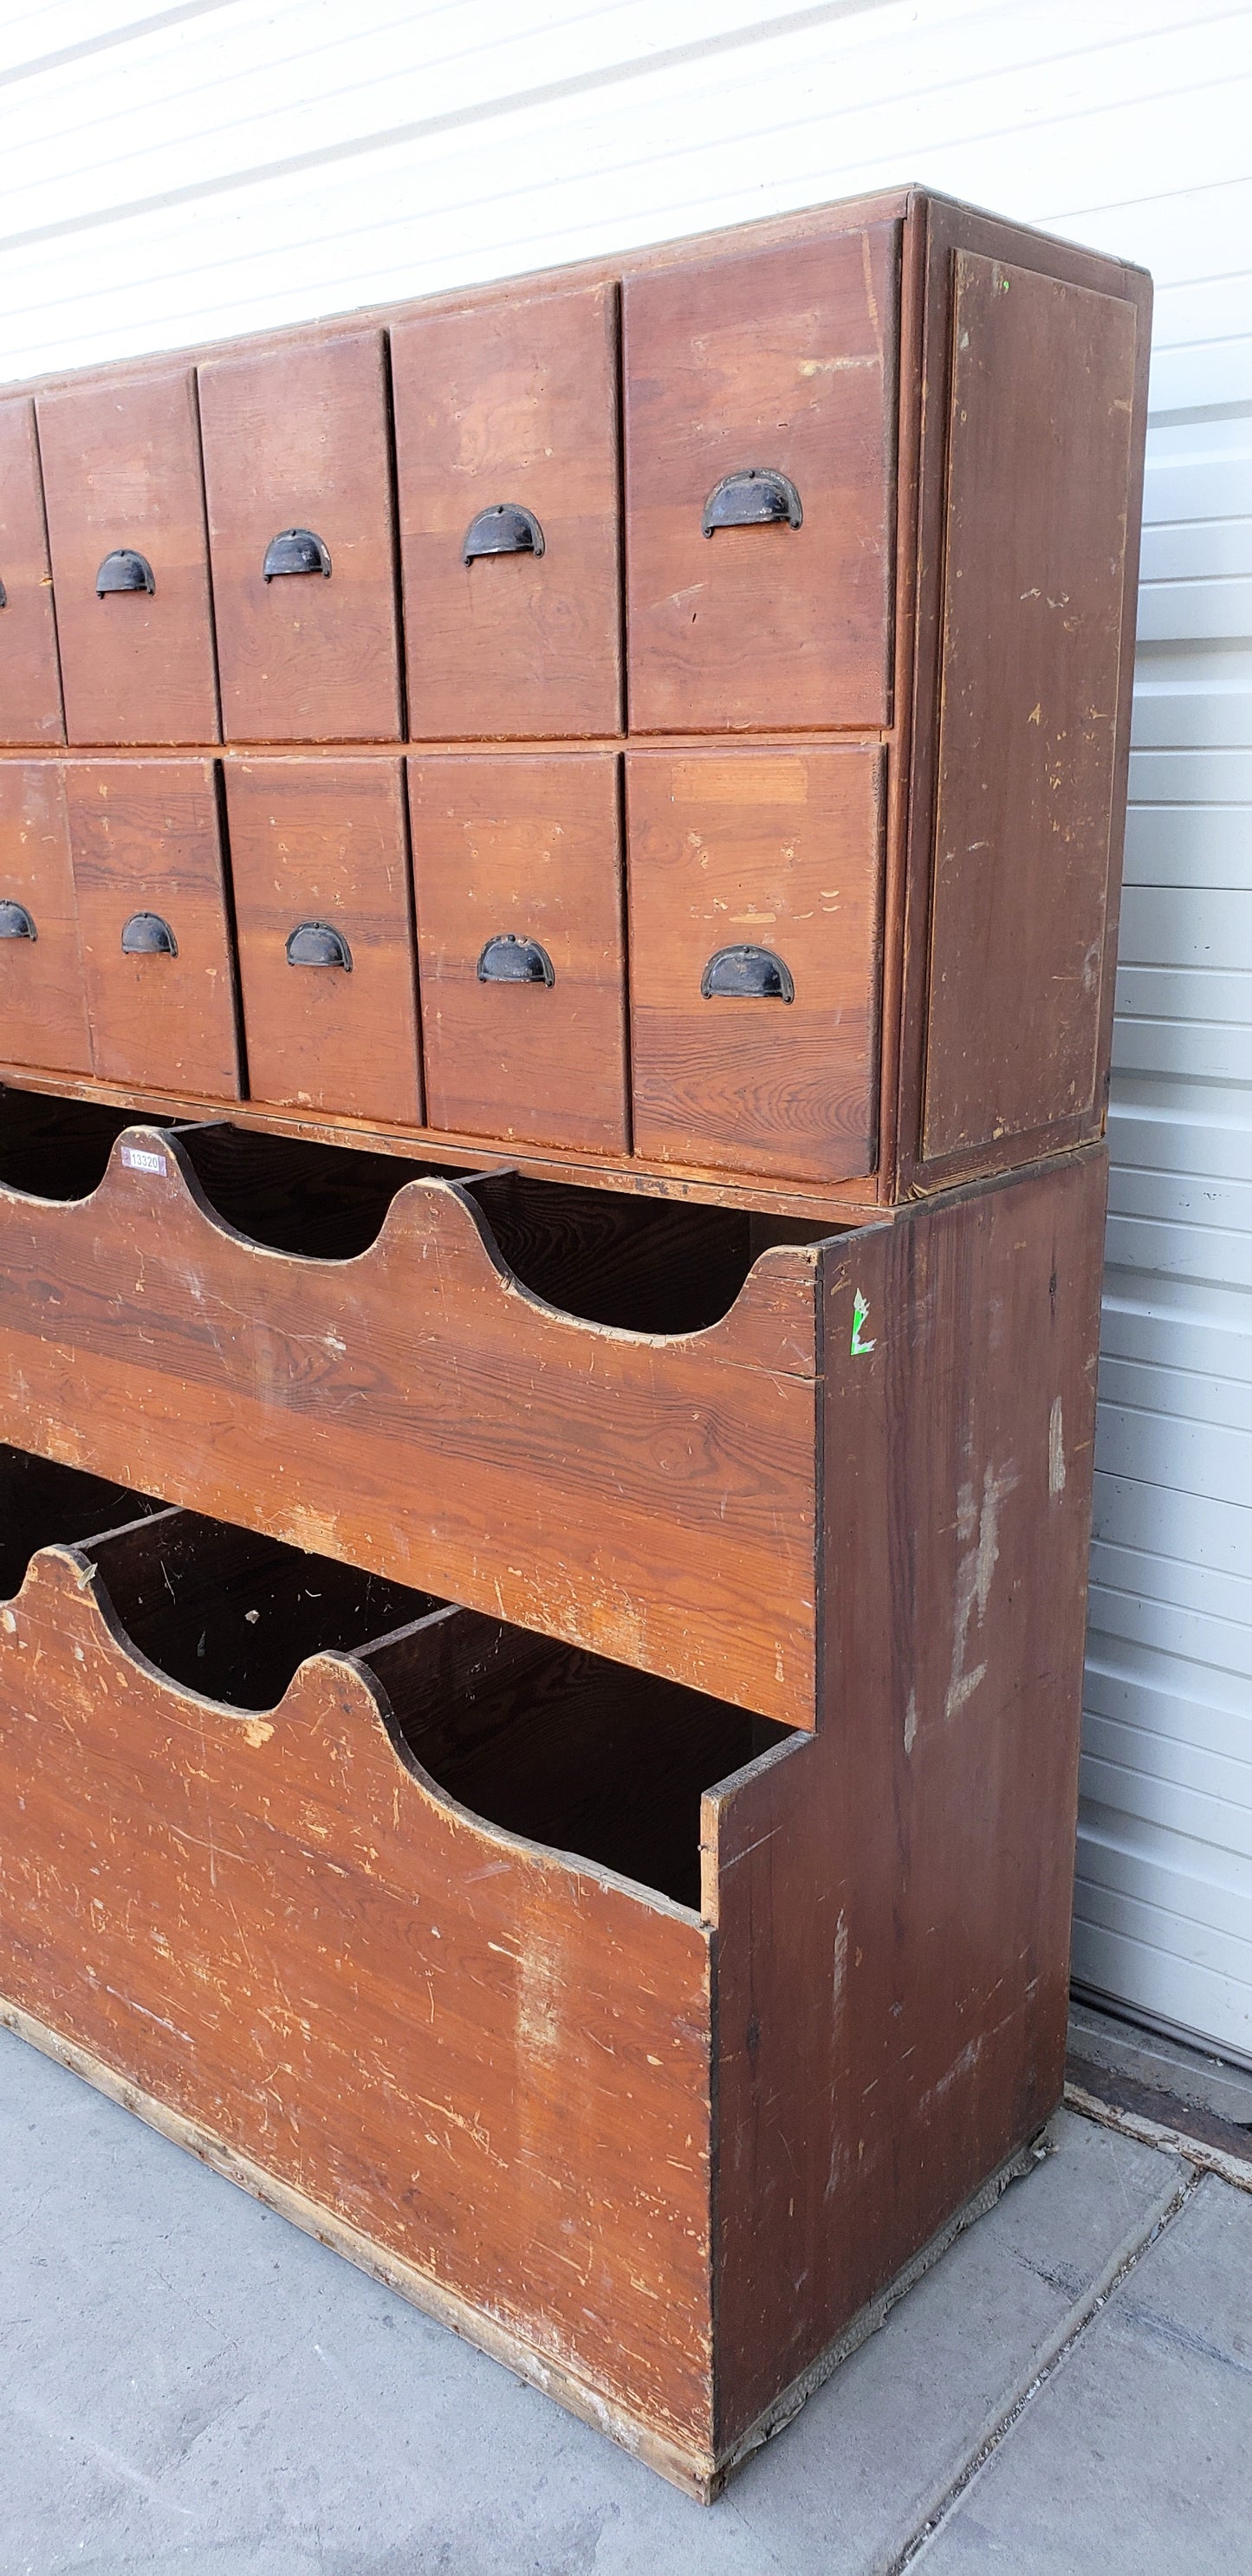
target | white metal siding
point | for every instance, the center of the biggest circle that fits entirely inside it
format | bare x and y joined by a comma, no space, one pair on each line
193,171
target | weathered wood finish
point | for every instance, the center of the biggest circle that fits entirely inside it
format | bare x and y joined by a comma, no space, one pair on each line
417,1411
529,849
515,402
326,841
776,849
299,438
43,1002
30,674
786,359
146,837
121,469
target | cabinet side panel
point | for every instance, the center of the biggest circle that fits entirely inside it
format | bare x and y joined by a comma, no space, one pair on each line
1041,461
893,1896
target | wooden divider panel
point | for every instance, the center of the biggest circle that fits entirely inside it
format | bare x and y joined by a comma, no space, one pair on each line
30,673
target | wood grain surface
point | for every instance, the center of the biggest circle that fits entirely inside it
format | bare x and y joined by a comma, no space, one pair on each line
121,469
145,837
524,848
43,998
327,841
511,402
299,438
1035,554
417,1412
775,849
30,672
781,358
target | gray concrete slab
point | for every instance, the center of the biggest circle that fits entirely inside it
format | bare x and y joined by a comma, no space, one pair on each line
1136,2454
189,2387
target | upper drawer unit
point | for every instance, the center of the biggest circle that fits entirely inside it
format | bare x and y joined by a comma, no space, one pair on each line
760,412
297,469
506,439
30,681
121,470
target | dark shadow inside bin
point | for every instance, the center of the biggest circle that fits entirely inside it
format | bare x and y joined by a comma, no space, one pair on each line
43,1505
231,1614
327,1202
589,1757
58,1149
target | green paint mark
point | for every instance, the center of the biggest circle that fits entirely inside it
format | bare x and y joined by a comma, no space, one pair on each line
860,1314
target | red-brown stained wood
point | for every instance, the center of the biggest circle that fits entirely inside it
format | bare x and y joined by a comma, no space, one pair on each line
121,470
512,403
524,850
146,839
771,850
487,2059
297,437
894,1895
415,1410
43,1002
1035,556
778,360
326,842
30,674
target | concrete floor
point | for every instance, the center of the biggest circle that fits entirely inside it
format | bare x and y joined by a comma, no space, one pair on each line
188,2387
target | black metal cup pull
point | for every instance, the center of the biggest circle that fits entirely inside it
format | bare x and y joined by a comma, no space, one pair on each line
318,943
758,497
510,960
4,596
505,529
124,569
295,550
747,974
15,921
147,935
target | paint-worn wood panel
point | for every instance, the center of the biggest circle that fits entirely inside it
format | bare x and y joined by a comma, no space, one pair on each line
1034,580
510,404
43,999
149,880
30,673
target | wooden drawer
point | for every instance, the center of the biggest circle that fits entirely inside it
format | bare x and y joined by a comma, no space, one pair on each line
297,471
319,853
30,674
121,467
506,443
760,403
754,906
148,873
43,1003
517,868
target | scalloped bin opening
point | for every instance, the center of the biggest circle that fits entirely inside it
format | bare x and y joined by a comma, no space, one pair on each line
43,1504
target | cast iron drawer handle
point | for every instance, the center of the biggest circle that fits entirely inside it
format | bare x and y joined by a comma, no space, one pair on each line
509,960
4,596
505,529
15,922
760,497
317,943
747,974
295,550
146,935
125,570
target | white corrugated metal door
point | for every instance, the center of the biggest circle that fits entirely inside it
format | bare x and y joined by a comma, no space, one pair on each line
194,171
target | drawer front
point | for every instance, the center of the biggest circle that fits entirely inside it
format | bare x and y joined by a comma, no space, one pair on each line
121,467
506,440
517,868
319,856
760,390
298,477
754,905
30,676
43,1004
148,874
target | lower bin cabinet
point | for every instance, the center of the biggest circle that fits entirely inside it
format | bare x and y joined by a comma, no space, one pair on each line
754,958
149,878
517,870
319,852
43,1004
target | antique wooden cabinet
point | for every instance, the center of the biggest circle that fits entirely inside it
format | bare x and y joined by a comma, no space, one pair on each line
559,856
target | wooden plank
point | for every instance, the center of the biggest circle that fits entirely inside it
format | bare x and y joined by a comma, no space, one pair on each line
30,673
